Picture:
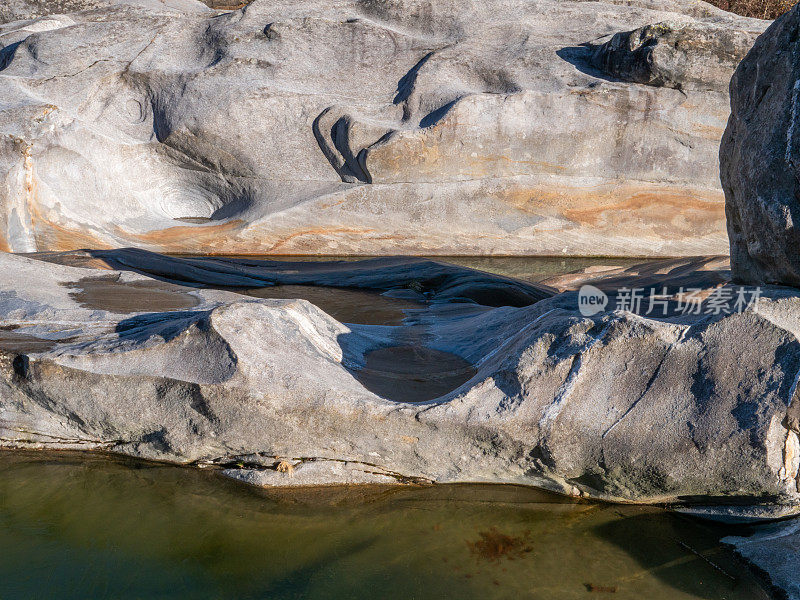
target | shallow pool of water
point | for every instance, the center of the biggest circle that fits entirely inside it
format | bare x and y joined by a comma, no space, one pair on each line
108,293
367,307
413,373
526,268
87,526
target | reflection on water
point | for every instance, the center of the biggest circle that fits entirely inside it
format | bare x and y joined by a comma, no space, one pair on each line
526,268
536,269
413,373
345,305
83,526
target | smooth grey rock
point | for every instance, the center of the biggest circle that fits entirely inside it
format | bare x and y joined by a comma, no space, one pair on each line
686,409
22,10
773,550
357,127
758,159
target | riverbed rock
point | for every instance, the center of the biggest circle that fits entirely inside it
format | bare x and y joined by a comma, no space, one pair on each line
758,159
361,127
617,406
22,10
772,551
676,55
17,10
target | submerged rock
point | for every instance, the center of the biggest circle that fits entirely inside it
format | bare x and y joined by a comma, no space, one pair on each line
758,159
361,127
687,409
772,550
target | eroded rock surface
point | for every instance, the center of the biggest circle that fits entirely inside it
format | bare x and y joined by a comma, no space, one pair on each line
17,10
759,159
21,10
680,56
360,127
615,406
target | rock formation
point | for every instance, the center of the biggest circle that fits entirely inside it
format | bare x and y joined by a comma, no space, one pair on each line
772,549
679,56
21,10
362,127
615,406
758,159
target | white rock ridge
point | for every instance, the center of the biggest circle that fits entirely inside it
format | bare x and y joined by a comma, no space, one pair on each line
362,127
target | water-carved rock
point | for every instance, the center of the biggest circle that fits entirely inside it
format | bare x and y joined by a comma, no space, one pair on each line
360,128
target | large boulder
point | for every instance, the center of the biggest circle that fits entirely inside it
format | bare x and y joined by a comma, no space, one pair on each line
759,158
361,127
614,406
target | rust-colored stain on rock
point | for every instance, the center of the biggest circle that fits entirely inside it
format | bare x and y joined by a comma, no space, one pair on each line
314,232
49,235
187,238
667,211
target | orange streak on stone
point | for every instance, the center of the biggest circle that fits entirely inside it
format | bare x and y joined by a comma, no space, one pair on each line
676,211
184,238
315,231
47,234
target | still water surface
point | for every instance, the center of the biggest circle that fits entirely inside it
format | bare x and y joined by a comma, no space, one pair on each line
88,526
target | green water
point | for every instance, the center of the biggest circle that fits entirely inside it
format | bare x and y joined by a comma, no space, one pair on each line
526,268
87,526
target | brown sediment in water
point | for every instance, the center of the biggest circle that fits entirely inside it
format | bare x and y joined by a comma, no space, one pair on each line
12,341
108,293
345,305
492,545
413,373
